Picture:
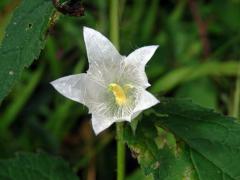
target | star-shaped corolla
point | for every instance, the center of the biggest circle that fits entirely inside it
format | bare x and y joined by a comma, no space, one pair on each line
114,87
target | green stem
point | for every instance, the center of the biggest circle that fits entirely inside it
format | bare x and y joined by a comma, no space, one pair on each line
114,36
120,152
237,95
114,28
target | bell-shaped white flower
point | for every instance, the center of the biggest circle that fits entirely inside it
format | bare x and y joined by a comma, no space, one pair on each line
114,86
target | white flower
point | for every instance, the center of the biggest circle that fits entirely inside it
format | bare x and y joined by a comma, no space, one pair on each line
114,86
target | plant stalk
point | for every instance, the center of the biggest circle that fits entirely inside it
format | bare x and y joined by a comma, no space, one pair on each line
120,152
114,36
236,101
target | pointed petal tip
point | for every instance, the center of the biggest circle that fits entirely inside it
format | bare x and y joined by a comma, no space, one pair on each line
155,47
147,85
149,48
85,28
53,83
157,101
56,84
89,31
99,124
97,131
152,49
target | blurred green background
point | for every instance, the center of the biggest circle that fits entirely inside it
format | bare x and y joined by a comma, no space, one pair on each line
198,58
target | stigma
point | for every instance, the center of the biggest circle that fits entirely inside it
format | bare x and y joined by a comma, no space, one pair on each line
119,93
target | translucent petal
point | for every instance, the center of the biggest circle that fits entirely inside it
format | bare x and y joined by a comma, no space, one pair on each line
136,62
134,75
79,88
145,101
106,72
72,87
141,56
99,123
99,48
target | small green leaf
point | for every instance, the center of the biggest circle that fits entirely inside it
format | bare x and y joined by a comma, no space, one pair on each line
23,41
35,167
207,145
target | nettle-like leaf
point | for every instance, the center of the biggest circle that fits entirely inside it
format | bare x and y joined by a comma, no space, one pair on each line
36,167
23,41
206,145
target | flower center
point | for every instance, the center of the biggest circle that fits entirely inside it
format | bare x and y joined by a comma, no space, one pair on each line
119,93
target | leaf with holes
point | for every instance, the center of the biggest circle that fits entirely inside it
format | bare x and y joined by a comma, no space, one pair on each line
23,41
207,145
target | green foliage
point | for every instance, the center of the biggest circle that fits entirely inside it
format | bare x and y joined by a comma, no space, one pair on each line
35,166
9,116
206,143
23,41
201,91
180,75
139,175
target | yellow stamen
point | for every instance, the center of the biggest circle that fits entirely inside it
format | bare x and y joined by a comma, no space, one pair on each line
118,92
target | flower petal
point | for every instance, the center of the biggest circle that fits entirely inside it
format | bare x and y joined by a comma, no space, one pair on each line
146,100
134,75
141,56
99,123
79,88
72,87
105,72
136,61
99,48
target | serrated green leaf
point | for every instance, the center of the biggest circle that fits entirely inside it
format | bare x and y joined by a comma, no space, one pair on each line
23,41
212,135
210,140
35,167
